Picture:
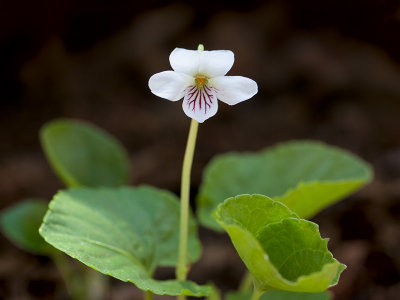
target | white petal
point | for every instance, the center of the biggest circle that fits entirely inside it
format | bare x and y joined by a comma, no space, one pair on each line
234,89
209,63
185,61
200,104
216,62
170,85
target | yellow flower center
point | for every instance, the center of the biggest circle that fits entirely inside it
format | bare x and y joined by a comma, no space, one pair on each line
201,80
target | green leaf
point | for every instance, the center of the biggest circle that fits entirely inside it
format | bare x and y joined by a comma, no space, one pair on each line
280,295
282,251
124,232
20,223
306,176
84,155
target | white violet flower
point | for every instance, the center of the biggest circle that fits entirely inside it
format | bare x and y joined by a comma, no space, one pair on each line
199,77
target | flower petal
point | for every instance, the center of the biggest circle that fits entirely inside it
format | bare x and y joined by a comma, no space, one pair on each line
234,89
170,85
216,62
200,104
209,63
185,61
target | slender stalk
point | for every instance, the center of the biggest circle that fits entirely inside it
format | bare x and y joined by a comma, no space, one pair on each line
256,294
181,269
75,288
97,284
246,283
148,295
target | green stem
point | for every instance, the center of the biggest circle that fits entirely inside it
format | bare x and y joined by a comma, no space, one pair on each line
77,292
96,284
181,269
256,294
246,283
148,295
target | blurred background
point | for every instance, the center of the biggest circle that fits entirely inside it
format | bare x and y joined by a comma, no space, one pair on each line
326,70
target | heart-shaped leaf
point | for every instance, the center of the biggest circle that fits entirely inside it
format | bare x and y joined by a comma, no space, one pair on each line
20,223
280,295
306,176
83,155
125,232
282,251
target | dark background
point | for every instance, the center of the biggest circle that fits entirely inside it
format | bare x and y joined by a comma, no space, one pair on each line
326,70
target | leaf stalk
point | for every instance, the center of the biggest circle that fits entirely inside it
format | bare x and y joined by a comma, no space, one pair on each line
256,294
148,295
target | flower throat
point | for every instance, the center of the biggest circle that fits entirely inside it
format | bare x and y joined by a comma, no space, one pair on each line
201,81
